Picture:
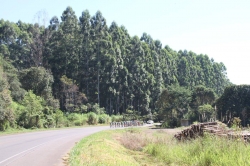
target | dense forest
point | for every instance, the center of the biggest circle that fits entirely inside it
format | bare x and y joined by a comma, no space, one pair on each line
81,65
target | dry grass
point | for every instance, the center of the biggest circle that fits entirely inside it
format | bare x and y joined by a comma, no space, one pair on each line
134,141
151,147
106,148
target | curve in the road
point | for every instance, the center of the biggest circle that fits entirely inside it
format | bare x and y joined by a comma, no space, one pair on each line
41,148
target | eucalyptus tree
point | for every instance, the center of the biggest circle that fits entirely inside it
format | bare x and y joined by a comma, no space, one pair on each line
63,59
54,23
85,54
155,51
136,51
183,69
147,80
70,42
169,74
51,40
140,80
117,77
124,73
37,45
63,50
207,69
101,50
220,78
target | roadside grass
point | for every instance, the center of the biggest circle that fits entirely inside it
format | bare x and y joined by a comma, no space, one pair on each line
133,146
104,148
208,150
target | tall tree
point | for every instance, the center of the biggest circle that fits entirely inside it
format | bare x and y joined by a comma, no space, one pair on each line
101,45
234,102
6,112
85,55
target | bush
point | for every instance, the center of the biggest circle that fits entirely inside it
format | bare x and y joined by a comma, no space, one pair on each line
58,117
73,117
103,118
116,118
92,118
78,123
4,124
172,122
84,119
48,121
165,125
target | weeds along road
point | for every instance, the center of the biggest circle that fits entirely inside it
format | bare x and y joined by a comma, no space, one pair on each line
43,148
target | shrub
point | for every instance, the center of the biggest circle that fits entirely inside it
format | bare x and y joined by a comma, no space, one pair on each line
58,117
4,124
165,125
78,123
92,118
84,119
73,117
103,118
116,118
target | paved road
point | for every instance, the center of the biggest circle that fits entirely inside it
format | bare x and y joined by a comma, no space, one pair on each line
45,148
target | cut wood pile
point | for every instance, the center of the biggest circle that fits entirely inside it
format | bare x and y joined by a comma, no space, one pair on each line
215,128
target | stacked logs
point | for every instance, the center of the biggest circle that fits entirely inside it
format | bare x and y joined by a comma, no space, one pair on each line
196,130
193,131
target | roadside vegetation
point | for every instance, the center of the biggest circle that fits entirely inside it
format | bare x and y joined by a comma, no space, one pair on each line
55,76
135,146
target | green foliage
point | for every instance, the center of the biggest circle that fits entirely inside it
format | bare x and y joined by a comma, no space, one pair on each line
117,118
171,122
6,112
71,99
75,119
39,80
209,150
76,63
97,110
33,113
58,117
173,102
17,93
104,119
236,123
206,112
92,118
202,95
234,102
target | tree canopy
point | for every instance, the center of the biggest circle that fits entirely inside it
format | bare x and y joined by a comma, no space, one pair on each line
75,63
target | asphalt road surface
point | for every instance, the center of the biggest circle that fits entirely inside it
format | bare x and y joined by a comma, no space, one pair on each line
45,148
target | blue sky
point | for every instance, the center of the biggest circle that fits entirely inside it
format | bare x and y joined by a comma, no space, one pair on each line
218,28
